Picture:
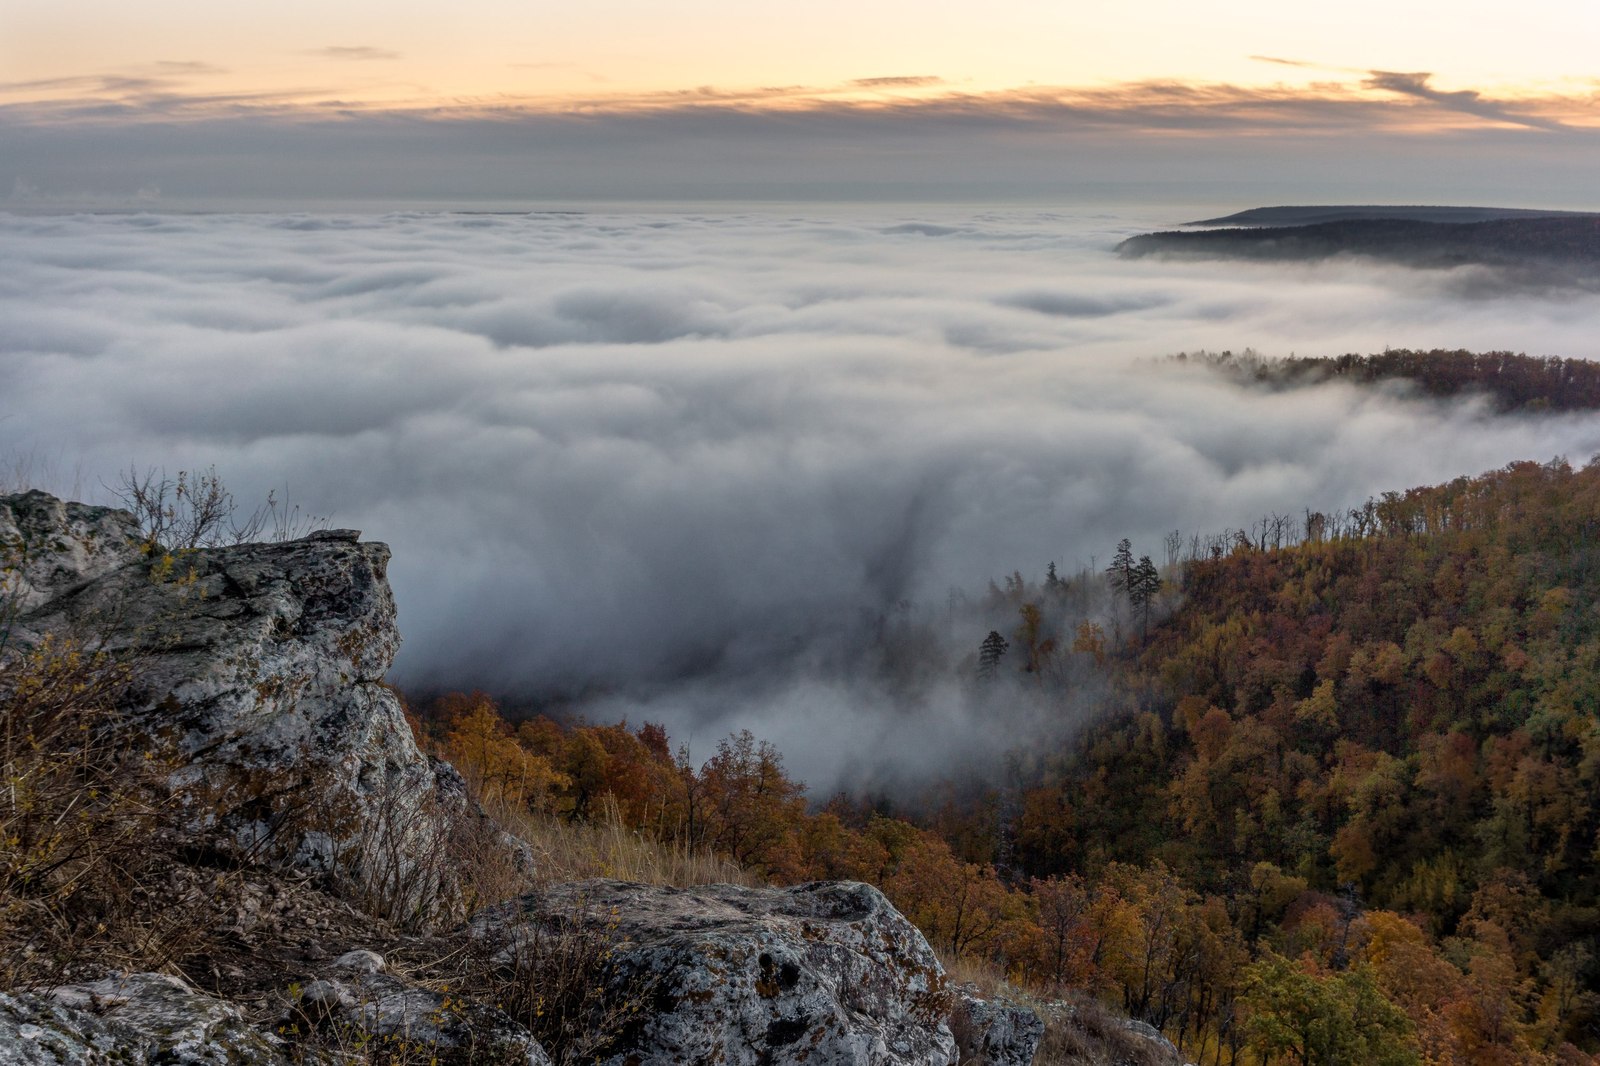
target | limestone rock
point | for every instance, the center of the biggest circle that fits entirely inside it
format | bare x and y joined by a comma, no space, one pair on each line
367,1006
994,1031
258,673
53,547
1162,1049
360,961
140,1019
827,972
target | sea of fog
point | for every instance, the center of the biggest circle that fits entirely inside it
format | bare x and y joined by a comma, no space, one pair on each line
658,462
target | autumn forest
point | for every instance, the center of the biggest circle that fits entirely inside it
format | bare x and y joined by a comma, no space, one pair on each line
1325,788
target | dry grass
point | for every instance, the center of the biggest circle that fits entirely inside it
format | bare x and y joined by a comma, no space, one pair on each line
987,978
419,880
1079,1030
603,846
88,866
557,977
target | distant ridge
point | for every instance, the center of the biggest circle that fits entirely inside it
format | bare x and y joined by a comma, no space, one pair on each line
1528,248
1314,215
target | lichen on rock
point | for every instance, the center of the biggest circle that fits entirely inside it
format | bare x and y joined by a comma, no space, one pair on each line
257,675
819,973
139,1019
995,1031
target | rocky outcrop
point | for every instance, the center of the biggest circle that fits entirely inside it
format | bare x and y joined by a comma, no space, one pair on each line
256,678
1160,1049
141,1019
257,672
827,972
993,1031
148,1019
51,548
358,997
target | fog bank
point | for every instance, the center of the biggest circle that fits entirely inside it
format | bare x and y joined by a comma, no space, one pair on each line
666,464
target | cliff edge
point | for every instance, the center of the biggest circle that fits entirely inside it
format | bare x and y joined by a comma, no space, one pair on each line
316,837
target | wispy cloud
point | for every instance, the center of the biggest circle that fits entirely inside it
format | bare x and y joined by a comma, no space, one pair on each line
358,52
1285,62
1379,101
1465,101
103,133
187,66
903,81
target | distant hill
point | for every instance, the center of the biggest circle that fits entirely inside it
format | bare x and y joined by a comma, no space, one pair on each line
1549,248
1314,215
1513,381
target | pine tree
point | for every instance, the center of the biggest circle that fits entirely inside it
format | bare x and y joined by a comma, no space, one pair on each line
1120,572
990,652
1144,584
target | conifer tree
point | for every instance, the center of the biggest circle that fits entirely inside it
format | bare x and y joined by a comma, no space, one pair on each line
990,652
1120,572
1144,584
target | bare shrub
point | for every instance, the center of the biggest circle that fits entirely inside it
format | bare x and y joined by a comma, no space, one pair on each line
196,510
557,977
86,852
1081,1031
489,865
23,470
388,857
418,857
315,1036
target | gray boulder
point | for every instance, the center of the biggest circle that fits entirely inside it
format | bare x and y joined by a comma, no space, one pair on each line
994,1031
51,547
258,675
1161,1049
360,1003
141,1019
822,973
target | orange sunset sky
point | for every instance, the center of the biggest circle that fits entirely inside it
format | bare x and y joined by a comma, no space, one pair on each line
79,74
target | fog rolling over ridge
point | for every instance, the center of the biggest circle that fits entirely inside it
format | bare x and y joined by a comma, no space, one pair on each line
675,465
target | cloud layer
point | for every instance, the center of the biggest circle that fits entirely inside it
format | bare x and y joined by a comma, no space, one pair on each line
212,142
666,463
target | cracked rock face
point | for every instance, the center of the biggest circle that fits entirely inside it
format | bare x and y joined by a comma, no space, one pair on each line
997,1033
359,996
141,1019
822,973
54,547
257,673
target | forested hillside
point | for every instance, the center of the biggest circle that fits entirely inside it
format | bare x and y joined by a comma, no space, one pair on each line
1336,800
1512,381
1563,246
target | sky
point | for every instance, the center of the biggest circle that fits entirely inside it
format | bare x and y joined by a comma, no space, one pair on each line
190,103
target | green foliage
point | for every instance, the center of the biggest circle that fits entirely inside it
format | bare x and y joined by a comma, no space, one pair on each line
1300,1016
